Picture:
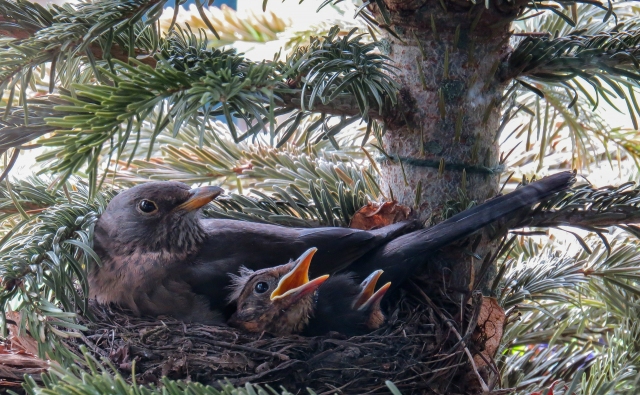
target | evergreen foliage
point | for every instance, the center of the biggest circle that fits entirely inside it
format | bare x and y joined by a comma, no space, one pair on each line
115,102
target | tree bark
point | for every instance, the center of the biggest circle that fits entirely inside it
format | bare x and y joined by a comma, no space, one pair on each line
449,114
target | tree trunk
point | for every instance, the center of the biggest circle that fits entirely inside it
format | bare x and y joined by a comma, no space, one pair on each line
449,112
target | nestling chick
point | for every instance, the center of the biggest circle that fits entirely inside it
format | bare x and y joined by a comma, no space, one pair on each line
281,300
277,300
347,307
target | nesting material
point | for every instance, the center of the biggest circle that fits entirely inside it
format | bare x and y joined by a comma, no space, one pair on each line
417,350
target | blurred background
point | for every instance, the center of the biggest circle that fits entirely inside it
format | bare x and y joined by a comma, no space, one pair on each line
244,26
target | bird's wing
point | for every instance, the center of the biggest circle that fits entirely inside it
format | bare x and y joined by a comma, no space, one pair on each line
232,244
339,247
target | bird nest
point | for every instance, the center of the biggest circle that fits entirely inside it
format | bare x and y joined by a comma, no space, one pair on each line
420,350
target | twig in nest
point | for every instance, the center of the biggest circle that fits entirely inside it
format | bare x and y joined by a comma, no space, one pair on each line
243,348
477,306
93,346
484,386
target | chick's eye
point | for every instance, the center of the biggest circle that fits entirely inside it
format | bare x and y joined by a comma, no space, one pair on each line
261,287
147,206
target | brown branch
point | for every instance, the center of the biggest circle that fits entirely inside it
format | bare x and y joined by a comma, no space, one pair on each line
18,33
117,52
11,27
593,64
233,346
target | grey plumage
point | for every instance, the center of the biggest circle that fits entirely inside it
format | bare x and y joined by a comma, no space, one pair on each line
175,263
171,262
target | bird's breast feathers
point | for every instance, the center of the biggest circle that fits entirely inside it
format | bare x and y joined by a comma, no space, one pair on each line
121,279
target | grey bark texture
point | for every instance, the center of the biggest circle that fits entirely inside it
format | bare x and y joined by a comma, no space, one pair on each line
449,113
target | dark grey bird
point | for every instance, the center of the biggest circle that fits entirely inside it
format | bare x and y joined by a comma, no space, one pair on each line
159,257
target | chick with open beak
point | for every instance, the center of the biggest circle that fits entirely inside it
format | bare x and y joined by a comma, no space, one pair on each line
282,300
368,301
276,300
344,306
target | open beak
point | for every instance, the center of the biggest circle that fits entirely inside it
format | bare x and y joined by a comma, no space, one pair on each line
200,197
367,287
296,283
375,299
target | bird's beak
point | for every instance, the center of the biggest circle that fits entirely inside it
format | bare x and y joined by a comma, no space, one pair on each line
367,286
375,299
296,284
200,197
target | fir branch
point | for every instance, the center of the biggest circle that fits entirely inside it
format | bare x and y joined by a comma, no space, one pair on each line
191,83
563,127
33,196
44,262
322,191
574,310
99,110
47,34
219,159
13,132
560,120
365,74
605,62
588,208
97,379
20,19
565,58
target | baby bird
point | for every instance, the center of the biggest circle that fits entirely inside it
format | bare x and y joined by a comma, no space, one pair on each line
346,307
282,301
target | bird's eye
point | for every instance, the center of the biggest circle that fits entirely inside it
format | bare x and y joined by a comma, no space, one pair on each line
147,206
261,287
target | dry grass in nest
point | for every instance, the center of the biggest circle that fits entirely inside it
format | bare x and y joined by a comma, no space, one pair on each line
417,350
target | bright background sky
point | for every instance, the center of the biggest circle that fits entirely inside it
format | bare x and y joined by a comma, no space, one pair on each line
304,16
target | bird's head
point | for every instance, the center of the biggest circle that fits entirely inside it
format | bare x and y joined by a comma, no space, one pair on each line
368,300
154,217
278,300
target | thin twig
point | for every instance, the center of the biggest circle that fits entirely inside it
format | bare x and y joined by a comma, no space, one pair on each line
484,386
232,346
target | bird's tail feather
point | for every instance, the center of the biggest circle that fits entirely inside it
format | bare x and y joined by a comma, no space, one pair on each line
476,218
402,255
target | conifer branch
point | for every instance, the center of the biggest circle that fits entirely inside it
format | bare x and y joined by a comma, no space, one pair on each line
589,208
582,304
44,260
192,83
43,35
564,58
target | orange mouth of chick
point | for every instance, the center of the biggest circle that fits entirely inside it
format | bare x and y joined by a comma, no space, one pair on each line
296,283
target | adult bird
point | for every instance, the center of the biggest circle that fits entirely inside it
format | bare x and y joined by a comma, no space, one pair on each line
289,307
159,257
282,300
